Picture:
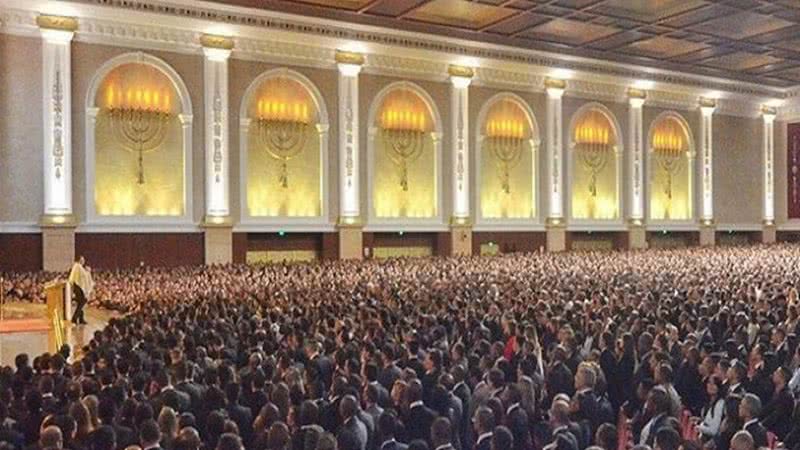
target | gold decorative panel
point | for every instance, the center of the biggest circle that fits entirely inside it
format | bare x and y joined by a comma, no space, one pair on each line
507,163
138,163
280,256
460,12
284,164
401,252
670,182
594,147
404,154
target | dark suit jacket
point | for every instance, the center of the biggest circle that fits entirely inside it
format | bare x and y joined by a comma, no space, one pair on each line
388,375
243,418
777,415
485,444
761,384
758,432
517,421
418,423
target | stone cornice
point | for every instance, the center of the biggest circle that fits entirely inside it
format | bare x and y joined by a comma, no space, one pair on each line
511,70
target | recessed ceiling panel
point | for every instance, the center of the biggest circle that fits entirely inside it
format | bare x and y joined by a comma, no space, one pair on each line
647,10
460,13
344,4
570,31
740,61
663,47
742,25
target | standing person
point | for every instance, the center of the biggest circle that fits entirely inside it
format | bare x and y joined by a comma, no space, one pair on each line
81,280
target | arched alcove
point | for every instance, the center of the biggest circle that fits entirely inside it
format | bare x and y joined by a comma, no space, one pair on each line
670,169
284,151
507,142
138,131
594,165
404,157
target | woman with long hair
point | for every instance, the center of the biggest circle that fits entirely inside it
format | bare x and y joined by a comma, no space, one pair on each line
714,410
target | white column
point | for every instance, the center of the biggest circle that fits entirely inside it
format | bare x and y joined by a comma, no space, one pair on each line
216,51
349,65
460,78
636,144
768,146
555,150
707,107
57,33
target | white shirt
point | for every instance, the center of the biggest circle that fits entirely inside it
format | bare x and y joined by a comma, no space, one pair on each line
647,429
415,404
712,420
486,435
794,383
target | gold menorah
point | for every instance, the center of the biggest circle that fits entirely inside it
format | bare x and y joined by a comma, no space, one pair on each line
505,142
404,136
139,122
282,132
668,152
594,151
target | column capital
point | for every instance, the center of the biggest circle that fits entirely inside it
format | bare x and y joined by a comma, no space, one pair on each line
707,105
636,97
555,87
215,47
58,29
349,63
460,76
769,112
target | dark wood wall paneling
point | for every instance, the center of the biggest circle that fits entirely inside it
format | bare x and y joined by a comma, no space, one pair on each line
325,244
127,250
687,238
20,252
510,241
724,238
788,236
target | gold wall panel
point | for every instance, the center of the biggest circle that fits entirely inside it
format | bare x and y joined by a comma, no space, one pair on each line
679,206
605,205
117,191
266,194
389,199
280,256
518,202
401,252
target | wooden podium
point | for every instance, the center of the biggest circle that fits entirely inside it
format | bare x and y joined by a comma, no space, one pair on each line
59,308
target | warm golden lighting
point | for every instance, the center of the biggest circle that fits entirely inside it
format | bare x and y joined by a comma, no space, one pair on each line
138,105
669,147
594,145
284,162
405,124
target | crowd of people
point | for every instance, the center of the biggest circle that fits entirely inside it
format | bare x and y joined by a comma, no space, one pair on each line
662,349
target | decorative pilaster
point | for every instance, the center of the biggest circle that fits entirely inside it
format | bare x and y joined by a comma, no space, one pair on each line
707,228
350,234
58,224
460,228
636,230
768,146
556,230
218,226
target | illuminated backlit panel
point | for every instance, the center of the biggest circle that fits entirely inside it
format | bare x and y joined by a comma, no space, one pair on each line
670,173
139,162
284,164
401,252
594,146
507,181
404,183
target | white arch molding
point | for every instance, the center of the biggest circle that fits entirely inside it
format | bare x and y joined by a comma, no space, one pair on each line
255,223
689,222
435,223
522,224
620,144
185,116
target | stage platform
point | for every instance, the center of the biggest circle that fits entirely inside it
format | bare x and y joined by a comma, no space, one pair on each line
24,329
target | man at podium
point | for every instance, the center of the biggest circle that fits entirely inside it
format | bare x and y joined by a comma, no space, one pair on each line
81,280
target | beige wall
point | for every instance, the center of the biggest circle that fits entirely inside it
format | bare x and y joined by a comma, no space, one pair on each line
738,180
21,186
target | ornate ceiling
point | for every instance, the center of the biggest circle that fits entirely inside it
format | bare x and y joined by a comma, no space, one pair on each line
757,41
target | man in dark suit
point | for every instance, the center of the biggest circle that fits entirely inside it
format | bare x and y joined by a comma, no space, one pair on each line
483,421
169,396
238,413
390,372
749,410
777,415
150,435
442,434
462,391
322,364
125,436
736,377
183,373
516,418
387,428
559,377
658,405
561,425
760,382
419,418
307,418
432,365
412,359
588,408
348,411
782,356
